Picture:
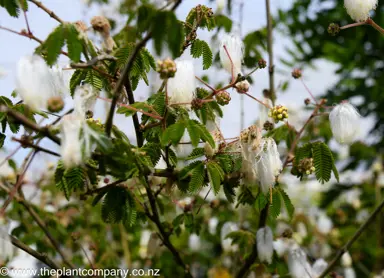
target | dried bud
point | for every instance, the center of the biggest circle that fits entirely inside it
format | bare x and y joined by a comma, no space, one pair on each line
101,24
89,114
26,141
278,113
81,26
166,68
197,103
307,101
287,233
262,63
106,180
242,87
268,126
55,104
296,73
333,29
223,98
306,166
215,203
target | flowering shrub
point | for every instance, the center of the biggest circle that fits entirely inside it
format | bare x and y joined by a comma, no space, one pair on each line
181,197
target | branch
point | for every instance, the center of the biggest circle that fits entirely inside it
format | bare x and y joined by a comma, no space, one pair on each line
39,256
270,52
93,62
352,240
28,123
48,11
253,256
36,147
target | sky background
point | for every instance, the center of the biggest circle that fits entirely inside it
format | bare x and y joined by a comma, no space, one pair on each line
12,47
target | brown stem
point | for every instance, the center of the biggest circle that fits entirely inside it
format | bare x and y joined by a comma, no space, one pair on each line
270,52
259,101
352,240
36,147
375,25
28,123
39,256
48,11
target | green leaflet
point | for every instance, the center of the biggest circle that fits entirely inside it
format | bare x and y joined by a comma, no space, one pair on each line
201,48
197,179
69,180
215,175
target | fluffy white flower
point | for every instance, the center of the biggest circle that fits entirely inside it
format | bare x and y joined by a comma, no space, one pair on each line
182,86
359,9
84,99
318,267
281,246
235,48
226,243
76,143
6,247
194,242
36,83
346,260
349,272
264,240
212,225
324,224
298,264
344,120
268,164
220,5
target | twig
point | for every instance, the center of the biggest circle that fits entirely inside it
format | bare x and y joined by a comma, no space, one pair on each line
93,62
308,90
101,189
28,123
39,256
48,11
270,52
259,101
253,256
10,155
352,240
36,147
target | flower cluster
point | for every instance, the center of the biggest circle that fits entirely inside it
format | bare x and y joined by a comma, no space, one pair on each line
306,166
278,113
166,68
223,98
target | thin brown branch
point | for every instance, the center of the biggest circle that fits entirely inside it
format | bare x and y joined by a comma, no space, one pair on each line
271,66
39,256
36,147
48,11
358,233
28,123
94,61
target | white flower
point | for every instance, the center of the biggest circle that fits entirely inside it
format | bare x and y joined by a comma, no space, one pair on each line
298,265
36,83
182,86
194,242
318,267
346,260
5,170
6,247
235,48
226,243
324,224
212,225
76,143
264,240
359,9
344,120
268,164
281,247
220,5
349,272
84,99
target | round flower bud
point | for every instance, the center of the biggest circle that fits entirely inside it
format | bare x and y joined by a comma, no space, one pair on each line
262,63
307,101
166,68
296,73
55,104
197,103
268,126
81,26
278,113
242,87
223,98
333,29
306,166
